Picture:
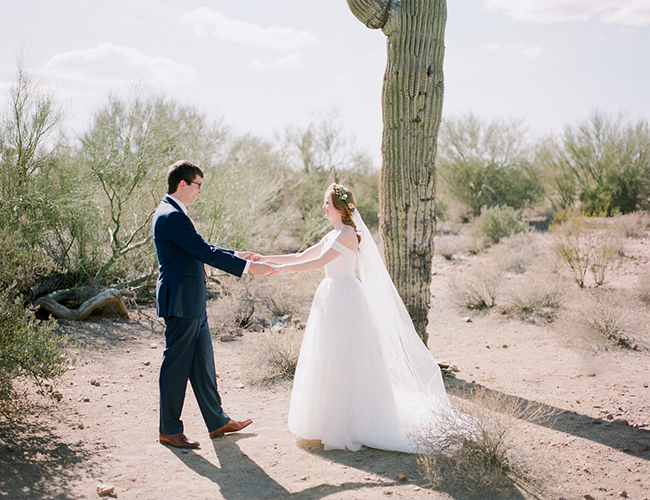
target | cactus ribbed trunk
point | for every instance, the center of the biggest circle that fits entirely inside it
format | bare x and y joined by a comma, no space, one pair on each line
412,110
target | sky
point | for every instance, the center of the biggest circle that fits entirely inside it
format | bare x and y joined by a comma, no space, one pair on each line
262,66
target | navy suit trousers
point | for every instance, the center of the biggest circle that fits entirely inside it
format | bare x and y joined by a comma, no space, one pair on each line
188,356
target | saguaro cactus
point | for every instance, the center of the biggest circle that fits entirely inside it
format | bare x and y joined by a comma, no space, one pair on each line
412,110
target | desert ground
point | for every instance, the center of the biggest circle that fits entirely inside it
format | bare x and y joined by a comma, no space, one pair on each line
594,441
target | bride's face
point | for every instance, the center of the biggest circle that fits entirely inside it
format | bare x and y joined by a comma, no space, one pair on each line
331,213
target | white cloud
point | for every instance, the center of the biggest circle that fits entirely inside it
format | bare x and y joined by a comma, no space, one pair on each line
625,12
531,52
204,21
290,61
114,64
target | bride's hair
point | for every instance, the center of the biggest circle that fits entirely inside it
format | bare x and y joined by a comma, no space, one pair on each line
343,202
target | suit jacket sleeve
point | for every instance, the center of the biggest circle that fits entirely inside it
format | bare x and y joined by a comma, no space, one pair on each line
181,231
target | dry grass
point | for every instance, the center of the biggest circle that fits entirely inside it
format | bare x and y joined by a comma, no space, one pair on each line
517,253
480,454
537,298
478,288
643,287
634,225
609,317
275,355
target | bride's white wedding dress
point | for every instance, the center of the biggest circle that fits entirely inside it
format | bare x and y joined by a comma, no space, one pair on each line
364,377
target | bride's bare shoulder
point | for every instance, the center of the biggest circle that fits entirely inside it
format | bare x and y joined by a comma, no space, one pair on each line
347,235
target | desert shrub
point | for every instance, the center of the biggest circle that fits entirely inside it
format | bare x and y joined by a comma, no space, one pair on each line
485,165
643,287
476,451
478,289
516,253
28,347
609,318
635,224
586,244
536,299
276,355
499,222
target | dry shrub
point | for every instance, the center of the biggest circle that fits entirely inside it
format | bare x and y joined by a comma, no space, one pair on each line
478,288
537,298
480,454
587,244
446,246
635,224
609,316
275,355
643,287
517,253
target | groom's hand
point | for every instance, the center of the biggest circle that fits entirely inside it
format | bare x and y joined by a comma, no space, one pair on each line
260,269
249,256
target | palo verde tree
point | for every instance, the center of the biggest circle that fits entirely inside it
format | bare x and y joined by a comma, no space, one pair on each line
412,110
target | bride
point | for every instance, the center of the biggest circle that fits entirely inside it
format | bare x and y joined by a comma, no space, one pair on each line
363,377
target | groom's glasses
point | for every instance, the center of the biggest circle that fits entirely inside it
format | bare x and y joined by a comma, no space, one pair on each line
197,183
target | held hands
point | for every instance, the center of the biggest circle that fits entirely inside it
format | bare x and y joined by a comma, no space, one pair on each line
260,269
249,256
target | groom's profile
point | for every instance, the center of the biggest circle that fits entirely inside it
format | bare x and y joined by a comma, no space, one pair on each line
181,301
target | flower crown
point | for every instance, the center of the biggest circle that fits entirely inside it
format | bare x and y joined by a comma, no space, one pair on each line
343,196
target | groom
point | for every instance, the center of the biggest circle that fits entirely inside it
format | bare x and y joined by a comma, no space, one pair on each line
180,300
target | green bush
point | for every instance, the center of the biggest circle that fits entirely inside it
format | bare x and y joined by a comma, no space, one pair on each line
499,222
28,347
604,162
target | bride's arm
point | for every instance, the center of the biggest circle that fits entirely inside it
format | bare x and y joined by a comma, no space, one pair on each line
308,265
345,237
311,253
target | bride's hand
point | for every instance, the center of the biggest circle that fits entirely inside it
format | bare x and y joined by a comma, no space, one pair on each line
275,269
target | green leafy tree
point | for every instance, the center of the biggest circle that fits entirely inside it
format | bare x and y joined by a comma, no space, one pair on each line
488,164
604,162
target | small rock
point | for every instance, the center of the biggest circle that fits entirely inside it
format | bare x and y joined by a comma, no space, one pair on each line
239,332
609,416
81,426
505,346
105,489
288,318
302,326
416,488
146,363
388,492
86,400
122,339
621,421
57,395
467,319
255,327
589,497
239,386
153,346
227,338
95,382
304,478
297,321
623,494
402,477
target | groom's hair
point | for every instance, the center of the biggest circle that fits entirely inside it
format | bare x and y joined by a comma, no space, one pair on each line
182,170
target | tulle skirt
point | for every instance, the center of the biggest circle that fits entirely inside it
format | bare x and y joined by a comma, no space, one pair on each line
342,392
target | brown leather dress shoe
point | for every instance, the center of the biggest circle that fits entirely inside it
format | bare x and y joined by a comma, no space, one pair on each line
179,440
232,426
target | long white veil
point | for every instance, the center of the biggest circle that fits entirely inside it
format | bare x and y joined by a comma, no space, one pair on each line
414,372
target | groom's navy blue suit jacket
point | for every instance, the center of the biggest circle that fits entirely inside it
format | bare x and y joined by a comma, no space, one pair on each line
180,290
